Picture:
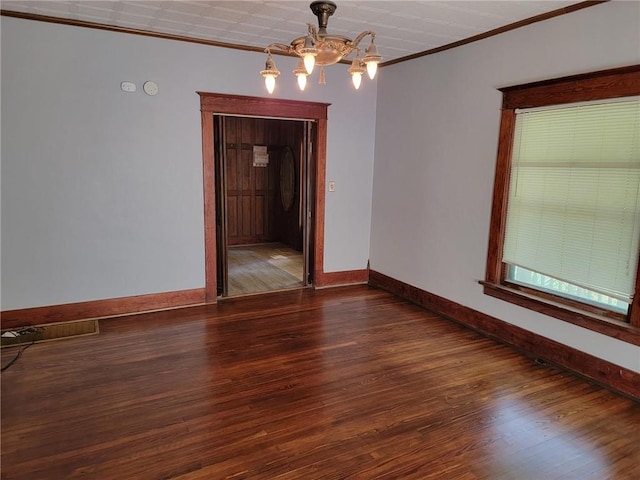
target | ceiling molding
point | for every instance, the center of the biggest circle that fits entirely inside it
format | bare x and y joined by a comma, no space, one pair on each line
499,30
246,48
134,31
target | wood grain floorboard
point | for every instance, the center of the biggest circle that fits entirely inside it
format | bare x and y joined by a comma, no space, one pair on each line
263,267
340,383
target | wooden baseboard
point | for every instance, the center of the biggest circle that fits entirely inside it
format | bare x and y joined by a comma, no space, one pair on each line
142,303
531,344
347,277
101,308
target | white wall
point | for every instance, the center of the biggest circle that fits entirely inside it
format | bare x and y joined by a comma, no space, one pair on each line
102,190
436,142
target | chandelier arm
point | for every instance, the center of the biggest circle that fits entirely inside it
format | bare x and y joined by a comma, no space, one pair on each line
356,41
280,46
311,28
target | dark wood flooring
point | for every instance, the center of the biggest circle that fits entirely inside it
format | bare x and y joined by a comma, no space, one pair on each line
330,384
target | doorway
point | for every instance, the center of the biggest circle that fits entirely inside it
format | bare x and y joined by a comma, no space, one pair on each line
263,200
311,117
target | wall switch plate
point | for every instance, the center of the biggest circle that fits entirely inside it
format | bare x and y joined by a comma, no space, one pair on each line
128,87
332,186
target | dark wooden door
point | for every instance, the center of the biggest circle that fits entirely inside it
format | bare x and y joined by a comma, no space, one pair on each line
249,188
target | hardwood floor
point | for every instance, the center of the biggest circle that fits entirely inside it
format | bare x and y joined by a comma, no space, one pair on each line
339,383
263,267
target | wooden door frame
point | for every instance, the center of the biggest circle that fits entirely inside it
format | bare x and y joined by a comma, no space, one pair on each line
217,103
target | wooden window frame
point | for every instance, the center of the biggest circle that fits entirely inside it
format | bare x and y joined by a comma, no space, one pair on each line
613,83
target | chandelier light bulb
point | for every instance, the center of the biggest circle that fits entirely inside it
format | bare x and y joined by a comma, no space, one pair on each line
372,68
357,79
301,73
270,73
309,62
302,82
308,52
371,59
270,82
356,70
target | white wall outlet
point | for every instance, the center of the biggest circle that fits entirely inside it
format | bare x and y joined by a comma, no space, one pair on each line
332,186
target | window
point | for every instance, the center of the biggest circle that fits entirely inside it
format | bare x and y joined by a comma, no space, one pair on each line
565,227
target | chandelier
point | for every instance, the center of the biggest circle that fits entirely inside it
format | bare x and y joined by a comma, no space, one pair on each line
318,48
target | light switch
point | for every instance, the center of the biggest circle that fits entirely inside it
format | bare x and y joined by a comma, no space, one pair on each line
332,186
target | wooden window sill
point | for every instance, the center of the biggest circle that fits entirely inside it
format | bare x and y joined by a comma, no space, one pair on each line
589,320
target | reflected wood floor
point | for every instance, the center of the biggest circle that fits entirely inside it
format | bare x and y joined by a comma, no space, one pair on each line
344,383
263,267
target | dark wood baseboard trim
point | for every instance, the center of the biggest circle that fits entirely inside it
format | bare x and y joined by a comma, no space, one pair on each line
347,277
101,308
602,372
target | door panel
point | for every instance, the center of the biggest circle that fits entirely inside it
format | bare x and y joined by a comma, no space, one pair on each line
221,204
245,213
247,185
259,223
310,195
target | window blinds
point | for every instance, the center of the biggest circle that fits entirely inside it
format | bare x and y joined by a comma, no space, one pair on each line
574,204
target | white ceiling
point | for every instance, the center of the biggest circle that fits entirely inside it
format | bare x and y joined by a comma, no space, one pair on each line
402,27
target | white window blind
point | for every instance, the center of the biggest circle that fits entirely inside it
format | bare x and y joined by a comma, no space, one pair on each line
574,204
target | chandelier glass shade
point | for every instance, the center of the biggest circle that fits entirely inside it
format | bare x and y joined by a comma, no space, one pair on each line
318,48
